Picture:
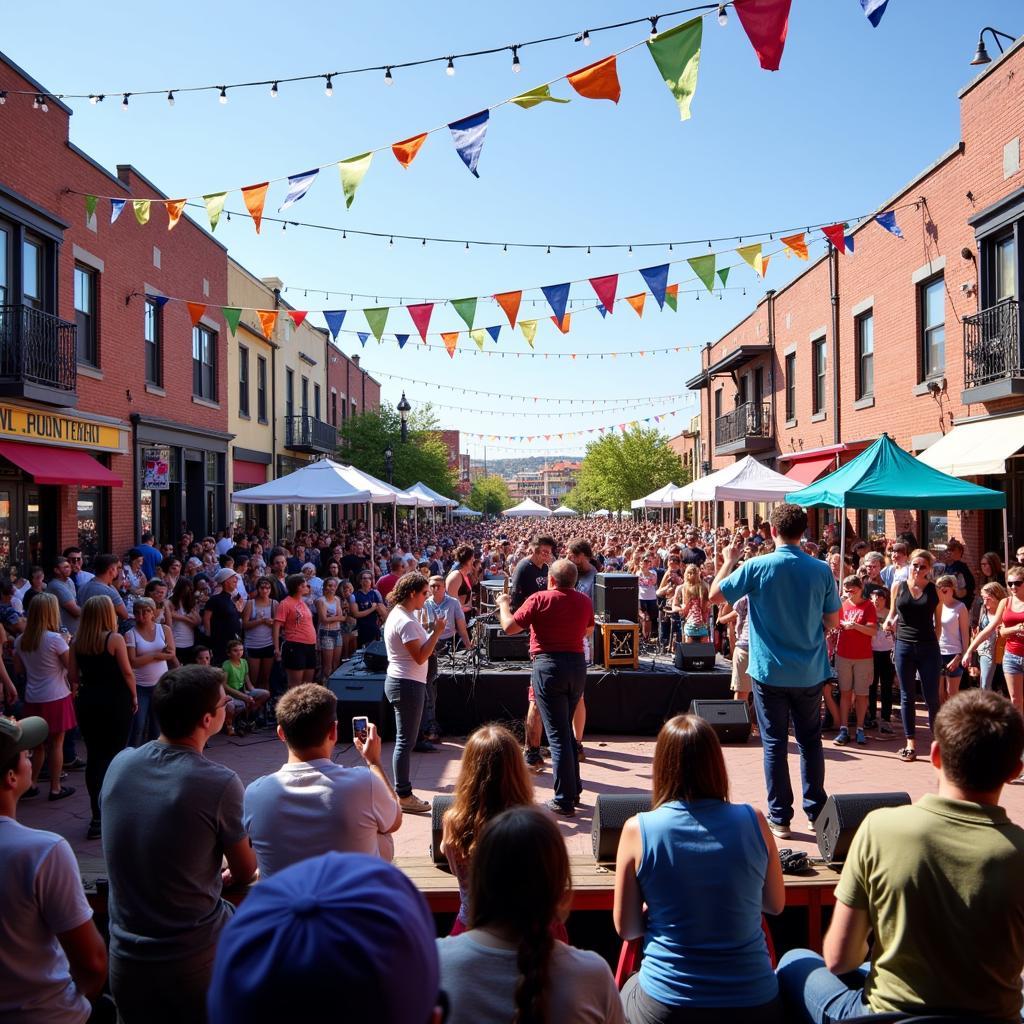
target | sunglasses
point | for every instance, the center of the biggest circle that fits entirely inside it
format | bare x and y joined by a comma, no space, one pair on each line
1015,583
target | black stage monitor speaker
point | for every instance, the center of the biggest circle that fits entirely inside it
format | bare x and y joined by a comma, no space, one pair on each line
375,656
611,811
695,657
729,718
617,597
438,806
841,817
361,695
502,647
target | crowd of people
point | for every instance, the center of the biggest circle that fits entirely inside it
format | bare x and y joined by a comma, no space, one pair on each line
145,658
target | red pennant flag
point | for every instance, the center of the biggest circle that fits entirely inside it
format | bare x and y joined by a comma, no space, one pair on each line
604,288
174,208
598,81
451,339
255,196
420,316
637,302
509,302
196,311
298,315
563,325
766,23
405,151
836,235
268,317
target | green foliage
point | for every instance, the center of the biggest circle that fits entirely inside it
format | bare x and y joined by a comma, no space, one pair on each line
424,457
489,495
619,468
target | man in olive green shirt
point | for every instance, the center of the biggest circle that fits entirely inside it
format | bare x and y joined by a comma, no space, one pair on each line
940,884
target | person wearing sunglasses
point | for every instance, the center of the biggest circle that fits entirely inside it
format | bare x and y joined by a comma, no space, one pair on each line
916,616
1011,629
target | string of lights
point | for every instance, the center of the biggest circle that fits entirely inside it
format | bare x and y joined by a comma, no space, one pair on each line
639,404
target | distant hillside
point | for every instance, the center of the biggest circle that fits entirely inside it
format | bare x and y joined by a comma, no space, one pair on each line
509,467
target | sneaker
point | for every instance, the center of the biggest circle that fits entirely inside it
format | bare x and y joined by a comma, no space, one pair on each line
414,805
424,747
842,737
871,723
565,812
74,766
885,728
779,829
64,791
95,830
861,738
534,761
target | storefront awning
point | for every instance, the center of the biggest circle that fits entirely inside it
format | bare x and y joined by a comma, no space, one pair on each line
808,470
248,473
61,466
977,449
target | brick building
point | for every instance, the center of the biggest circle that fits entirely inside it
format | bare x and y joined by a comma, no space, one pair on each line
919,337
557,480
458,461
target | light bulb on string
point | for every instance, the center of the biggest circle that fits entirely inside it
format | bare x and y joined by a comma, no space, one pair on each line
388,77
223,95
467,247
92,99
42,105
329,87
273,91
35,103
654,27
391,241
450,70
516,66
170,98
723,17
585,37
124,100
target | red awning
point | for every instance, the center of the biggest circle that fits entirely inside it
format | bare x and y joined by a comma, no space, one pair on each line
62,466
248,473
808,470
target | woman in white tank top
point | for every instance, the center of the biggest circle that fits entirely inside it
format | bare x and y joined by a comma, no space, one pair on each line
150,647
257,617
953,638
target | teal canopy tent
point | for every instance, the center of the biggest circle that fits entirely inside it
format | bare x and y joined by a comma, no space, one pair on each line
885,476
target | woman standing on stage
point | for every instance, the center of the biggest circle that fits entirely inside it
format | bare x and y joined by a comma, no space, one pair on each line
459,582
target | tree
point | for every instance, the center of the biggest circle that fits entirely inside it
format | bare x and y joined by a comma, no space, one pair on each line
490,495
621,467
424,457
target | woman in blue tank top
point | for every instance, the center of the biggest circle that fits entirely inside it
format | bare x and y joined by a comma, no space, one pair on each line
707,869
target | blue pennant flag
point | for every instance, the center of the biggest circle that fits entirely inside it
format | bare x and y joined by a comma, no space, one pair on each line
656,279
558,297
298,186
116,206
888,221
494,332
849,244
468,136
602,310
401,339
160,300
363,336
874,9
335,318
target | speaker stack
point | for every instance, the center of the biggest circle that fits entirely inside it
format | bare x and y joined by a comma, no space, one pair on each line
438,806
611,812
841,817
502,647
729,718
695,657
617,597
362,695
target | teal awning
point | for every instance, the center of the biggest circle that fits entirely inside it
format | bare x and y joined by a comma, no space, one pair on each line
885,476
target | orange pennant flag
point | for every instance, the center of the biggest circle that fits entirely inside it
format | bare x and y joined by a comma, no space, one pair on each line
174,209
255,196
796,244
637,302
598,81
268,317
405,151
563,324
764,265
298,315
451,339
196,311
509,302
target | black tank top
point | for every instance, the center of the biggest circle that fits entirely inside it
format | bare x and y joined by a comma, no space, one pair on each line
99,671
917,614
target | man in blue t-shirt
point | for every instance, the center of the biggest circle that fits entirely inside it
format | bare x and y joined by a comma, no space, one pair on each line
151,556
792,601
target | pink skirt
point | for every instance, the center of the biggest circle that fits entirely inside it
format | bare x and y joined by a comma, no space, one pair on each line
59,715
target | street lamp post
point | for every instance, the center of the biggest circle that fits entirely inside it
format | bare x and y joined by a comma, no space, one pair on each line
389,464
403,411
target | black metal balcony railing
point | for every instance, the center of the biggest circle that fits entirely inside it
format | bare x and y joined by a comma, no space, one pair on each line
992,344
307,433
37,348
751,419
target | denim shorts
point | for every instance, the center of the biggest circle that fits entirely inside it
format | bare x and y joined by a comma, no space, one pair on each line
1013,664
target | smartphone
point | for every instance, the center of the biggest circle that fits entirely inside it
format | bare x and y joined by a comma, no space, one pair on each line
360,726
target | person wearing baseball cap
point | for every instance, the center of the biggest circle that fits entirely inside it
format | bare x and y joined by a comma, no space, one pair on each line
52,958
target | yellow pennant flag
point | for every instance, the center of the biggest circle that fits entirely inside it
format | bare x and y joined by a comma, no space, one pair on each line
752,255
174,208
214,207
529,329
141,208
795,244
352,171
478,337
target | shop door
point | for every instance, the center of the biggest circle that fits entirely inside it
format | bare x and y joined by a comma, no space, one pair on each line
23,526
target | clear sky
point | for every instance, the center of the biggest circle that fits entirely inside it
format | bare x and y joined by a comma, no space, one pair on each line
852,115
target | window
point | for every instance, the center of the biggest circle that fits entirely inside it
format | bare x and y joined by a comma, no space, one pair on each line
4,280
718,403
85,313
871,522
261,388
741,391
316,401
1004,261
204,363
305,397
289,392
818,361
243,381
936,530
791,386
933,327
153,338
758,384
865,331
32,273
334,408
90,522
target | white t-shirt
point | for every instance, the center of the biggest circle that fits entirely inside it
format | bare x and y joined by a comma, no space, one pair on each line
309,808
400,627
150,673
224,545
41,898
481,983
46,676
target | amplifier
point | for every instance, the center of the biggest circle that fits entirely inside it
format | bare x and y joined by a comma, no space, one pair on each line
375,656
617,597
438,807
729,718
841,816
361,695
502,647
611,812
695,657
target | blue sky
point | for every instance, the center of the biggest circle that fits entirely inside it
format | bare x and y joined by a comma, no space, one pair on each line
852,115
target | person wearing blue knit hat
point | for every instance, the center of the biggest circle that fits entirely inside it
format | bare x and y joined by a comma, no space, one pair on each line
343,933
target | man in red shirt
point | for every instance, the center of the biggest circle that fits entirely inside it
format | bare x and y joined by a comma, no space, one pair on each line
386,582
559,619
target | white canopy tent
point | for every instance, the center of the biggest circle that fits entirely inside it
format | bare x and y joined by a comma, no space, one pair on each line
434,500
601,513
464,512
382,493
528,507
564,510
661,498
746,480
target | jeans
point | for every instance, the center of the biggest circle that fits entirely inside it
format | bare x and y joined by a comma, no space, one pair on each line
884,672
428,725
105,716
558,683
775,705
912,660
144,723
640,1008
987,673
162,991
814,995
406,697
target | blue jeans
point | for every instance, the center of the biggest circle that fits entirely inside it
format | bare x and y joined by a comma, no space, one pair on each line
558,683
775,705
144,726
407,697
912,660
814,995
987,672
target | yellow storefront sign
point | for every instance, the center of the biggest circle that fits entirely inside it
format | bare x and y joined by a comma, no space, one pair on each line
56,428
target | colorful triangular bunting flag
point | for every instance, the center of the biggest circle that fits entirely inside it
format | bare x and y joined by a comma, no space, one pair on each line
335,318
494,332
268,318
298,186
542,94
196,311
232,315
529,329
420,316
723,274
466,308
672,296
214,207
401,339
656,278
704,268
450,339
637,302
597,81
564,323
604,289
796,244
766,23
677,55
836,234
478,338
509,302
363,337
116,207
377,318
557,296
468,136
874,9
406,150
297,315
254,197
90,207
888,221
141,208
174,208
352,172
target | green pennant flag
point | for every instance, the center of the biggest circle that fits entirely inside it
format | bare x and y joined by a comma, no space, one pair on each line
704,268
90,207
352,171
672,298
677,54
141,208
723,275
542,94
214,207
232,314
377,318
478,337
466,308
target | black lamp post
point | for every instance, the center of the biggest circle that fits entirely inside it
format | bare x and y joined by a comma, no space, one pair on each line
389,464
403,411
981,54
